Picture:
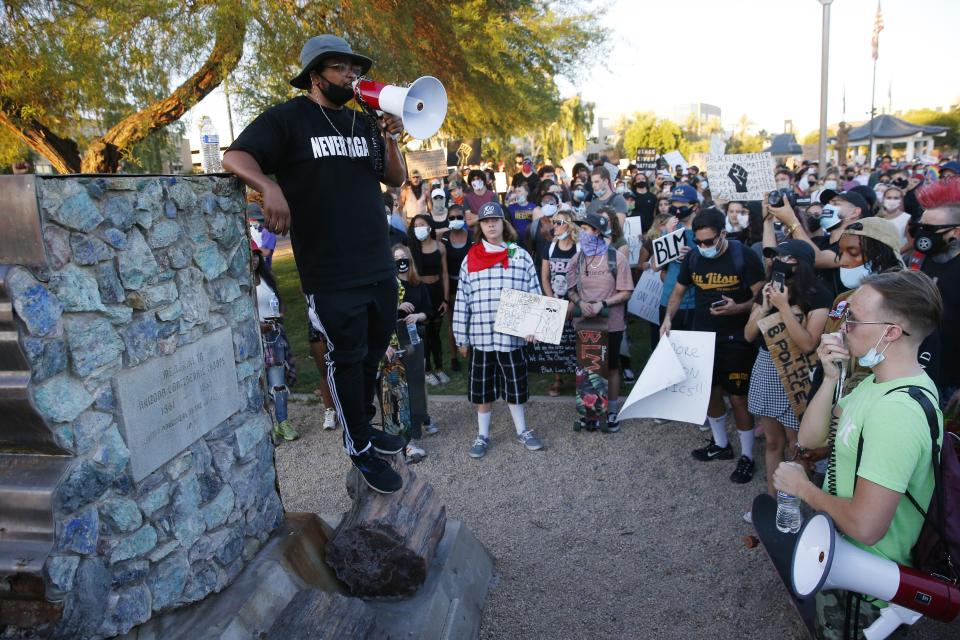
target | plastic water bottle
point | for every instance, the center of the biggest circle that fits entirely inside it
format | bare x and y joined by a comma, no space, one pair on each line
412,332
209,147
788,513
275,306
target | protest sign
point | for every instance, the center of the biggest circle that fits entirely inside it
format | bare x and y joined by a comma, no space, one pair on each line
667,248
717,144
633,234
675,158
431,164
555,358
675,384
500,182
462,153
528,314
645,301
646,159
741,176
793,366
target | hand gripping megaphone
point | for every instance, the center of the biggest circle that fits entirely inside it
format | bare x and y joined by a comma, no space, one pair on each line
824,560
422,106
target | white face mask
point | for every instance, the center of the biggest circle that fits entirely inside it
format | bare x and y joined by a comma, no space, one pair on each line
704,184
600,191
477,185
851,278
564,235
548,210
521,199
891,204
830,184
730,228
830,217
744,219
456,225
421,233
872,358
621,189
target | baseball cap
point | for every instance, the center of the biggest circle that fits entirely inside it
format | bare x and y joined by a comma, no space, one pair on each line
853,197
878,229
683,193
868,194
438,193
596,221
953,165
799,249
490,210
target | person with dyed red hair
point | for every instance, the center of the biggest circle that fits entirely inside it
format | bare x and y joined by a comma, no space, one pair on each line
936,241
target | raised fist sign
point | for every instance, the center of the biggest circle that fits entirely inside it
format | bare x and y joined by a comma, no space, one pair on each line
739,176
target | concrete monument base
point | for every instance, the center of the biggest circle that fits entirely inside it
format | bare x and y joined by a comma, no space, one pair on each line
448,605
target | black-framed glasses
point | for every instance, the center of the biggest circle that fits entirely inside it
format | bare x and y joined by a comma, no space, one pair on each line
845,322
707,243
342,68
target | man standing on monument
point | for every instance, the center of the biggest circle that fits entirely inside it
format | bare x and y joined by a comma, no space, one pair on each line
329,162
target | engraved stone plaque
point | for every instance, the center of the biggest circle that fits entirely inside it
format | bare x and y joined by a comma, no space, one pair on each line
166,404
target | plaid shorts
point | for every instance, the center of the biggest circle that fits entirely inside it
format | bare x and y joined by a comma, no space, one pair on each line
498,374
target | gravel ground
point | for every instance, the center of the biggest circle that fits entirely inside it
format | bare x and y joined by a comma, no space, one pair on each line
598,536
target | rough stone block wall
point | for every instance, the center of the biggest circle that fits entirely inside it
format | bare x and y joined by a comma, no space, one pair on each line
139,267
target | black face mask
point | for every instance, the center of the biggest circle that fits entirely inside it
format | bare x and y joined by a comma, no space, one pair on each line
928,238
813,223
641,185
403,265
786,269
901,182
336,94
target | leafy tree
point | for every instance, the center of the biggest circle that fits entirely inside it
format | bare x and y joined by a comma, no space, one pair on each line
646,130
83,83
949,119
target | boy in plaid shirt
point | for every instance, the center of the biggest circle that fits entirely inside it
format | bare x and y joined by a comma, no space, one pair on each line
498,366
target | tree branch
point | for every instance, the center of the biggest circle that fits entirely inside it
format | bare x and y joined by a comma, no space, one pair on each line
62,153
104,153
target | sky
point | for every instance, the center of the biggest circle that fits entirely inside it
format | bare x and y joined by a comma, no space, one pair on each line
755,57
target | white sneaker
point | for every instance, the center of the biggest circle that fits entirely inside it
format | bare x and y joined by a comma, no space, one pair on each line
431,380
442,377
705,426
431,428
414,453
330,418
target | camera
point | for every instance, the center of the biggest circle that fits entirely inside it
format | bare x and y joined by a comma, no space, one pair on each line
775,197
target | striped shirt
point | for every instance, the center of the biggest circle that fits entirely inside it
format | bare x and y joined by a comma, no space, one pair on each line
478,297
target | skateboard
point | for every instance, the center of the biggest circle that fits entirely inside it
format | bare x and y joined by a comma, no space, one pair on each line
592,386
395,397
414,366
779,547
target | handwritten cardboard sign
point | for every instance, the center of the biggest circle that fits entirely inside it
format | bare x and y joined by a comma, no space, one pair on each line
555,358
645,301
667,248
529,314
793,366
431,164
633,234
675,384
741,176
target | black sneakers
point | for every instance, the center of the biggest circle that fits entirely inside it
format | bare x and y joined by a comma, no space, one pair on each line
744,471
713,452
377,472
385,443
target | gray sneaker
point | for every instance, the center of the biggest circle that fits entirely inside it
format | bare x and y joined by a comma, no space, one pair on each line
431,428
480,446
529,440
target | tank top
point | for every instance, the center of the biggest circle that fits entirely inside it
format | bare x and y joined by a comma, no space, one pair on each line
430,264
268,305
455,256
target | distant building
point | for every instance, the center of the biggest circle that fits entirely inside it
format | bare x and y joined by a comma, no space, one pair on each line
704,114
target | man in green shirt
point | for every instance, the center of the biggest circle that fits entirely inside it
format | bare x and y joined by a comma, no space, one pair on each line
886,320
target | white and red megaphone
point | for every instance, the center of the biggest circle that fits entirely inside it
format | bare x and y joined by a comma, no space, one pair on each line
422,106
824,560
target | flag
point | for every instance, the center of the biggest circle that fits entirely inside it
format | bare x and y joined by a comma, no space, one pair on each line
877,28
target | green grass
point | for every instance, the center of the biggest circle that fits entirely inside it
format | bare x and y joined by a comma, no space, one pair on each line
308,377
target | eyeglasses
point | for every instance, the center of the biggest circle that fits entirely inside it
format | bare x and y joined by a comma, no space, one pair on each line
707,243
559,223
454,217
342,68
845,323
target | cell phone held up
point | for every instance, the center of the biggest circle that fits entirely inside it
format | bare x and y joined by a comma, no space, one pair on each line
779,281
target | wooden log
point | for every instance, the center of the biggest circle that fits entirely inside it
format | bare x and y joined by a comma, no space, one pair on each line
314,614
384,545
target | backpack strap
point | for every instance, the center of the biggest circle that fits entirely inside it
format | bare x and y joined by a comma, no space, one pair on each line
553,246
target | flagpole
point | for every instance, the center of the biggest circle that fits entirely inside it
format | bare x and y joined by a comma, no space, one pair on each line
873,110
824,59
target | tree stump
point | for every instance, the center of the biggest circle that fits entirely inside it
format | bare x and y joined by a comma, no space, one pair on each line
384,545
314,614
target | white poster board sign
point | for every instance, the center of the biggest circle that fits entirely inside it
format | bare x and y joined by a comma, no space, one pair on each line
528,314
741,176
645,301
500,182
675,158
667,248
633,234
717,144
675,384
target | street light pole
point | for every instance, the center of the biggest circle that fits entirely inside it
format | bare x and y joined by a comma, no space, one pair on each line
824,61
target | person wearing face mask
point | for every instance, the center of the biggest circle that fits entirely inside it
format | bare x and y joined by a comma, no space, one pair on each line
327,165
738,222
438,212
604,194
892,209
553,272
646,201
936,242
478,196
412,200
528,176
541,230
520,212
726,277
803,304
456,243
682,207
430,258
882,448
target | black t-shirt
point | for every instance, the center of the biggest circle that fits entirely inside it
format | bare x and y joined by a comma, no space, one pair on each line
716,277
820,298
645,207
947,277
829,277
336,208
455,255
419,296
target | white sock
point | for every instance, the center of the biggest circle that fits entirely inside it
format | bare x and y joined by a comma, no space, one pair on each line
519,419
746,442
483,419
719,428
